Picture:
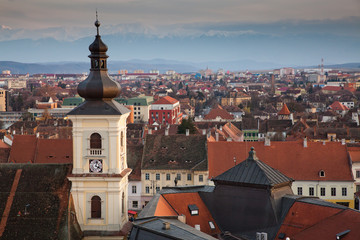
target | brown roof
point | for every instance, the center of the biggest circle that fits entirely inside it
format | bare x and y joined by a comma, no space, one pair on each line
284,110
174,152
166,100
28,148
290,158
23,149
354,153
177,200
337,106
309,221
218,112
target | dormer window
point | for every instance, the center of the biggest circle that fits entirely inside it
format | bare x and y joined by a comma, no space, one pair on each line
194,210
322,173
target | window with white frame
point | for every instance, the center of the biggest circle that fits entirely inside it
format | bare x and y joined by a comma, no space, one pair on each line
299,190
135,204
344,191
133,189
147,189
157,176
189,177
357,173
333,191
201,178
168,177
311,191
322,191
147,176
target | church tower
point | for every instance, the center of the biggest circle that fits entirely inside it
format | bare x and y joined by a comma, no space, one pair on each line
100,174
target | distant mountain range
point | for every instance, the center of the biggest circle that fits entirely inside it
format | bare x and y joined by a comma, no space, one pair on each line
159,64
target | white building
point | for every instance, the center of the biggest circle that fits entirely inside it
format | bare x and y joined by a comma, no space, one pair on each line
100,174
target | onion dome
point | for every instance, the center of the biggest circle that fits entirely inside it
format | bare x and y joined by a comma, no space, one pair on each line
98,84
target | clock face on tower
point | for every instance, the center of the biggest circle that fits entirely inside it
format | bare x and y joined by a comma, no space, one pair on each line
95,165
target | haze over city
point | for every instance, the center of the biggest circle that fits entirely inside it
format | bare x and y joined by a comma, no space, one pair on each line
286,33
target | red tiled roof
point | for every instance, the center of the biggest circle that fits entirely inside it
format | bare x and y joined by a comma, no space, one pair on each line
28,148
284,110
336,88
3,145
177,200
354,153
54,151
23,149
163,208
304,215
166,100
337,106
328,228
218,112
290,158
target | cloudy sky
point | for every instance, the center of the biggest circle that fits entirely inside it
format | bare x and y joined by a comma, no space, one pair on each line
70,20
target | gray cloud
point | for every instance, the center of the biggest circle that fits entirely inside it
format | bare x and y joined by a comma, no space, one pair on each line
37,14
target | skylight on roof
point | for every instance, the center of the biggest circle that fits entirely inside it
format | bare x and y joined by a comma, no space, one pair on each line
212,225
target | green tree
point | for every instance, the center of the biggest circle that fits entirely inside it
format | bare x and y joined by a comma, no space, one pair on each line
186,124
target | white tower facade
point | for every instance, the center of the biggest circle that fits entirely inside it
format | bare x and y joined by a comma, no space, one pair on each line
100,174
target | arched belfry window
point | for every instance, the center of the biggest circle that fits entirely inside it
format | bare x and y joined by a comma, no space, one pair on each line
95,140
95,207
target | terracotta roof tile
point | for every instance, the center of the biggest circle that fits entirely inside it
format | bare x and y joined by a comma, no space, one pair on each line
28,148
284,110
317,222
163,208
177,200
166,100
218,112
303,215
290,158
23,149
337,106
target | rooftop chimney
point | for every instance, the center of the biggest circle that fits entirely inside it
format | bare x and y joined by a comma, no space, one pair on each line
343,141
166,225
305,142
267,141
220,128
150,131
204,132
166,132
182,218
217,136
187,132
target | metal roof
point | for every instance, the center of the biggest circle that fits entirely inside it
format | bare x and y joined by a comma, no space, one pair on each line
253,171
99,107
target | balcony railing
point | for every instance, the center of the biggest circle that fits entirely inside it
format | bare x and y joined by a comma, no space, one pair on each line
95,152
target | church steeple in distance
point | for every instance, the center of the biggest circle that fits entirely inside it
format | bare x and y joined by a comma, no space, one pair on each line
98,85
